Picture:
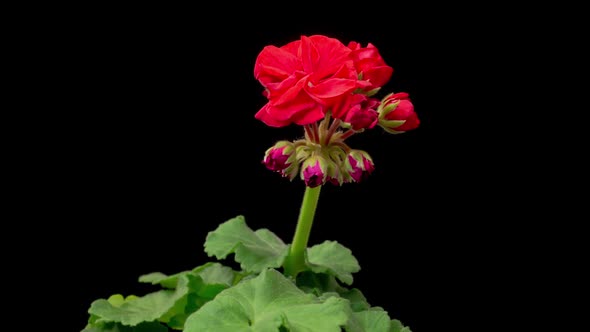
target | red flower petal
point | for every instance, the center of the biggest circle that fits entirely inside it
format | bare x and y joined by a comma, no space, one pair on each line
346,71
291,93
399,95
293,47
325,57
274,64
293,109
412,122
378,76
311,115
275,90
301,112
267,117
332,87
403,111
309,55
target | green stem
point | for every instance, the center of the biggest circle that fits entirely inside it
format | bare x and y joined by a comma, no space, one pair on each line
295,261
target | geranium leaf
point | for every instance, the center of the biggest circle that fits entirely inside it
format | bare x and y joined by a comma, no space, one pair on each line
215,273
397,326
117,300
268,303
116,327
373,320
158,278
333,258
148,308
358,302
255,251
212,273
318,283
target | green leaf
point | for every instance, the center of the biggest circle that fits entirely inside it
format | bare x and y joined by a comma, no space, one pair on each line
328,316
255,251
212,273
318,283
116,300
358,302
323,297
268,303
215,273
397,326
333,258
173,306
115,327
158,278
210,280
148,308
374,320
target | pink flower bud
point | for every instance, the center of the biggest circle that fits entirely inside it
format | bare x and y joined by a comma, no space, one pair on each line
280,156
362,113
396,113
359,165
313,171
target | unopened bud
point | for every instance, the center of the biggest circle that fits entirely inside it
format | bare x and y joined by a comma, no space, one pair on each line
280,156
314,171
359,165
396,113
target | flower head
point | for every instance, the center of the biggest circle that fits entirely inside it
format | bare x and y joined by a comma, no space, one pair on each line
327,87
304,78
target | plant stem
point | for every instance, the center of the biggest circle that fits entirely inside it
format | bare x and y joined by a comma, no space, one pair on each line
332,130
347,134
309,133
316,133
295,261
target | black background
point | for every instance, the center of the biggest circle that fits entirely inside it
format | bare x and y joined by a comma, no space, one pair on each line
159,145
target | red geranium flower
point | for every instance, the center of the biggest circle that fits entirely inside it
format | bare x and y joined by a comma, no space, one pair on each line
303,78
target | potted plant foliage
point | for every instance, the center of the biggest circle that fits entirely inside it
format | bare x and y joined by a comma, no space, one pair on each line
331,91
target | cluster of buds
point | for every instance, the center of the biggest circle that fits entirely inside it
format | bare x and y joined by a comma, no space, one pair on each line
318,164
324,157
321,157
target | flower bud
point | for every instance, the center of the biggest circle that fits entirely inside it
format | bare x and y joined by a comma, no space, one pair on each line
396,113
362,113
334,173
291,171
337,174
314,171
359,165
280,156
